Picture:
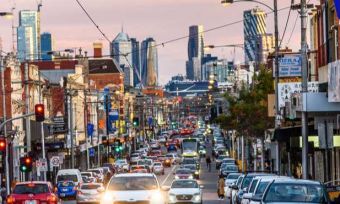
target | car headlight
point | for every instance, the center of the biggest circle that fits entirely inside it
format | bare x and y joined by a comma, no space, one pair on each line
190,177
156,197
172,198
107,198
176,177
196,172
197,198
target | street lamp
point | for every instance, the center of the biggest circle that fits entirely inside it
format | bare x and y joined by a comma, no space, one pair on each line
275,11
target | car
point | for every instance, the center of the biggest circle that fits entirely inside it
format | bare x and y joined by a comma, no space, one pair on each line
90,176
67,189
228,161
110,166
121,164
33,192
191,161
99,173
90,193
202,151
162,139
158,168
229,181
219,159
165,160
173,157
192,167
226,169
293,191
69,175
148,163
182,173
185,191
137,168
133,188
155,153
135,157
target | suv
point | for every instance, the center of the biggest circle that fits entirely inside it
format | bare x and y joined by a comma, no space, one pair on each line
133,188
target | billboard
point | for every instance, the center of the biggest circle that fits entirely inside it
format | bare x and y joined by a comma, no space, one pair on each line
290,66
337,7
287,89
334,81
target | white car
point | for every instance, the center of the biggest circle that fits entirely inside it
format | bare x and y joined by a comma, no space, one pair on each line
158,168
229,181
133,188
99,173
185,191
135,157
121,164
90,192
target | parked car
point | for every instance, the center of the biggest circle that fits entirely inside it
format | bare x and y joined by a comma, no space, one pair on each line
219,160
229,181
67,189
33,192
90,193
226,169
185,191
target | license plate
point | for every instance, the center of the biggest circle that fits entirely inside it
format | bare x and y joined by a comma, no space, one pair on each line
64,190
62,194
30,202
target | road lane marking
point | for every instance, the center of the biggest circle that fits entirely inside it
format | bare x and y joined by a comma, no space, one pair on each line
166,178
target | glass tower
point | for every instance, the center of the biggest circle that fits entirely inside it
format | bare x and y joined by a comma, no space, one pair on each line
149,62
195,52
46,46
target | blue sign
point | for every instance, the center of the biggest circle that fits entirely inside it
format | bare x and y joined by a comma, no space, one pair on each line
113,115
290,66
91,152
90,129
337,7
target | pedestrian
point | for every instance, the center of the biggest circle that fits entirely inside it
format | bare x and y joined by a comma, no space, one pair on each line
220,188
208,161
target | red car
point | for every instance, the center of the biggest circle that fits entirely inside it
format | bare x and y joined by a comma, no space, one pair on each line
155,153
33,192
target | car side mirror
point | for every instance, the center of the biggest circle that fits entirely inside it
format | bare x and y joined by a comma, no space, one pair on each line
165,188
101,189
234,186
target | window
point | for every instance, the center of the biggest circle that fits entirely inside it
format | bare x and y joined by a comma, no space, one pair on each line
31,189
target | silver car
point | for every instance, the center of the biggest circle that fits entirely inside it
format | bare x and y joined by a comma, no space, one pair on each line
90,193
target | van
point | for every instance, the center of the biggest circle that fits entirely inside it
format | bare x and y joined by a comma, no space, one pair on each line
69,175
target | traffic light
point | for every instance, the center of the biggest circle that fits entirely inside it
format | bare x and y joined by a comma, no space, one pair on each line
26,164
135,121
39,112
2,144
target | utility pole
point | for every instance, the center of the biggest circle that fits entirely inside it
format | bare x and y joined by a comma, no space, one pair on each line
28,125
70,125
304,118
107,125
86,132
42,126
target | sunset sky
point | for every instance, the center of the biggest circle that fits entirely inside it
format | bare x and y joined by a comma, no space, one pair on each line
161,19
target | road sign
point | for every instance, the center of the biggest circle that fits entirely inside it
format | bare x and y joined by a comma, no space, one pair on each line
42,164
90,129
55,161
91,152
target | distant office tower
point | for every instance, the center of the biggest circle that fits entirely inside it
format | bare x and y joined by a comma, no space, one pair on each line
121,52
254,25
195,52
149,62
136,61
46,46
28,35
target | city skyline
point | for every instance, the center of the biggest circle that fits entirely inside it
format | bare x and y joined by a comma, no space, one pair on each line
141,23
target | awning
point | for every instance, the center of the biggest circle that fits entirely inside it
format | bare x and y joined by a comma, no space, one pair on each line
283,134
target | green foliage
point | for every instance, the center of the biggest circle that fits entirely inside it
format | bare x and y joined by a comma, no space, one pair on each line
248,112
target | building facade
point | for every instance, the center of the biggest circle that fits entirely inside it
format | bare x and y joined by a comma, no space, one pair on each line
254,25
46,46
28,36
136,61
149,62
195,52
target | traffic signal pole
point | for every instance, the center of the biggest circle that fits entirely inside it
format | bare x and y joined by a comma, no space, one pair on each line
42,128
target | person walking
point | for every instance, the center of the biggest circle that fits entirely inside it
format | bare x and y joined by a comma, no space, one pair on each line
208,161
220,188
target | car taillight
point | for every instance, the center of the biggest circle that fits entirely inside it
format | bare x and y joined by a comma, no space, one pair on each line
79,193
52,198
10,199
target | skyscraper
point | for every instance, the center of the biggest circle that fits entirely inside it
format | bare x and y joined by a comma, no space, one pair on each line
121,52
254,25
149,62
195,52
46,46
27,35
136,61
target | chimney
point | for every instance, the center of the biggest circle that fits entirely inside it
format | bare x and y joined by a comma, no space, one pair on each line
97,49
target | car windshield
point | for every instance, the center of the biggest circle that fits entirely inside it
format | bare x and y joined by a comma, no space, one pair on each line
222,157
86,174
66,177
296,193
246,181
233,176
183,171
157,164
253,185
228,161
184,184
65,184
229,168
132,183
261,187
31,189
191,167
189,161
90,186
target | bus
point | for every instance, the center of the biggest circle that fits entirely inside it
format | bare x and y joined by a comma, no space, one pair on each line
190,147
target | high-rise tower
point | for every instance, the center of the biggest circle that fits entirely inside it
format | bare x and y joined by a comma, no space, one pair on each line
149,62
195,52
